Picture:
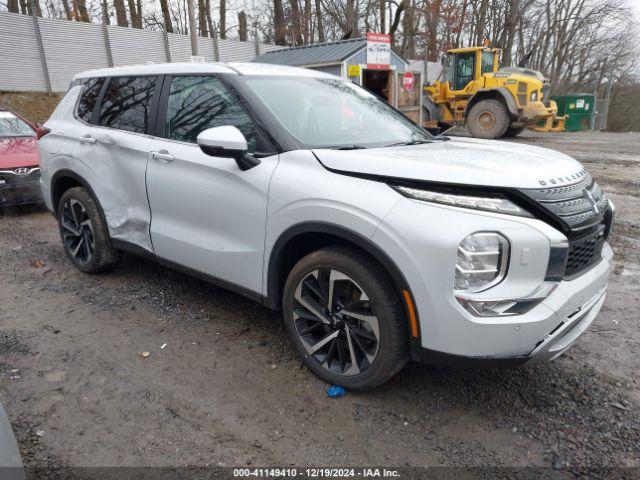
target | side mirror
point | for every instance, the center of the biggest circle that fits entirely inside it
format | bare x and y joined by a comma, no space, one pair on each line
229,142
225,141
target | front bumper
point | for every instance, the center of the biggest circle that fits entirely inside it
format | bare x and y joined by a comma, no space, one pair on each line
20,193
448,333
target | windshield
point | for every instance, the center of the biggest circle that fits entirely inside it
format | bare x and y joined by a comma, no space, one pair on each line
331,113
12,126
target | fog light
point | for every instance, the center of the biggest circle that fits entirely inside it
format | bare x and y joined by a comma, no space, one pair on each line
507,306
482,262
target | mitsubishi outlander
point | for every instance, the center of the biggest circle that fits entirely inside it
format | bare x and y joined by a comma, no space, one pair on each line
379,242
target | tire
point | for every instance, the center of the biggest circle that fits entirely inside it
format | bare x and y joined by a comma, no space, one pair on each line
366,313
488,119
84,233
513,132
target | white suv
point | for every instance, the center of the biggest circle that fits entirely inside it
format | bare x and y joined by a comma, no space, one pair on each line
380,242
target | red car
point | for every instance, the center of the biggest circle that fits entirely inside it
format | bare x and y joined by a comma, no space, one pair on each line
19,161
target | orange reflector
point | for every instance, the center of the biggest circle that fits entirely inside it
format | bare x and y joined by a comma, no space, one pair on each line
413,322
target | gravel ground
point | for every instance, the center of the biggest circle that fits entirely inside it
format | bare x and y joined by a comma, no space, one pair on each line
228,390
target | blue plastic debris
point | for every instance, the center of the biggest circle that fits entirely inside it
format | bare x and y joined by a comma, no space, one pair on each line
336,391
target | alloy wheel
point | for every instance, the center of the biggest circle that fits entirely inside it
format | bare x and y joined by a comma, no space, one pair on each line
336,322
77,231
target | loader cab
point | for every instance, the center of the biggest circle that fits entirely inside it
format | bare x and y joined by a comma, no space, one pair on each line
463,66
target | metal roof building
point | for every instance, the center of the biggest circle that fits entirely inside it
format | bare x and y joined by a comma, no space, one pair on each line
333,57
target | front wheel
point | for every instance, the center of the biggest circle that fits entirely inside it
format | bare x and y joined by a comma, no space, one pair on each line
345,318
84,232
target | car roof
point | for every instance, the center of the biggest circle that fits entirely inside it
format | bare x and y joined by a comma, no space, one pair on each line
200,68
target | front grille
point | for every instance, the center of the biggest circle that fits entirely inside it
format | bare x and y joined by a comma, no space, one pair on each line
10,177
584,252
579,206
584,210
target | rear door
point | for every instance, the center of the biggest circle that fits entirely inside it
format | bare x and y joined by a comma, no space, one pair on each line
207,214
113,147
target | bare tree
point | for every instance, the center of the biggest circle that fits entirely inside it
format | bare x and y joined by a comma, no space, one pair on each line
121,13
319,22
166,16
202,19
223,19
242,26
280,29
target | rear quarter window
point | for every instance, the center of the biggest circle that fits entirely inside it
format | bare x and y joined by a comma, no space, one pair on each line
88,98
126,104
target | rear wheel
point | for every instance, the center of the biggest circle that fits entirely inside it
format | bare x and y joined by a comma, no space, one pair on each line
488,119
345,318
513,132
84,233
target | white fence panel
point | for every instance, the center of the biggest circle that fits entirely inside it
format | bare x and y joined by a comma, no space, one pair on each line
70,48
130,46
20,64
180,47
73,47
233,51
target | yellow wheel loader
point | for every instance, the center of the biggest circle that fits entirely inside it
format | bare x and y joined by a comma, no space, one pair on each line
492,102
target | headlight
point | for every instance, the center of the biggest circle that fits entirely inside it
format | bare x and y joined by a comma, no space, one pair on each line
489,204
482,262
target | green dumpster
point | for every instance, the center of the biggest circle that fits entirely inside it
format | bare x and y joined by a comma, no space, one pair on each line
580,108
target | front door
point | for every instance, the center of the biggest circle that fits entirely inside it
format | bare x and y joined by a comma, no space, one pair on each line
206,213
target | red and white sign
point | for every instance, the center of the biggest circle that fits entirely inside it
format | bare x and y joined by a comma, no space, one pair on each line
378,51
408,81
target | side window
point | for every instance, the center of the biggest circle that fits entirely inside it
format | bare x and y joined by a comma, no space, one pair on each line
126,103
90,91
200,102
464,69
487,62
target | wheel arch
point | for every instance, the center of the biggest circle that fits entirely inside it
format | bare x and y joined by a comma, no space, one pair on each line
65,179
299,240
502,94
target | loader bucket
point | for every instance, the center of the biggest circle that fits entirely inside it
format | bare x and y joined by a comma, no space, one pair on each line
551,124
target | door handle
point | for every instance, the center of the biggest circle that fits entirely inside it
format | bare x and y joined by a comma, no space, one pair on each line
163,155
87,139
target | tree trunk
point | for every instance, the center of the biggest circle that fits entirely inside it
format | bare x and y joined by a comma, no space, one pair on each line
295,22
279,28
166,15
396,18
105,13
242,26
134,14
432,21
223,19
202,19
80,12
24,9
139,2
13,6
480,26
319,22
383,16
207,10
121,13
307,22
351,30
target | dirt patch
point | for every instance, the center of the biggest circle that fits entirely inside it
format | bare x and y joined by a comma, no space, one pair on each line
34,106
227,388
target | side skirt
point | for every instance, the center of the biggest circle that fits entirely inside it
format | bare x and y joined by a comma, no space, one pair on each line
141,252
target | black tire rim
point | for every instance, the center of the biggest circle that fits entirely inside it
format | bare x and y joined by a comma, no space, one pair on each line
336,322
77,231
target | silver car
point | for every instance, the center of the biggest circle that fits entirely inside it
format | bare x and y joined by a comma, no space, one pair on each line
379,242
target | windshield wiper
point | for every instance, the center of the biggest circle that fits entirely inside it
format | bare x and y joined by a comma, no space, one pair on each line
409,142
346,147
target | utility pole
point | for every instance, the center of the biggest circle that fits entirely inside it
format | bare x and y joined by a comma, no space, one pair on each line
192,27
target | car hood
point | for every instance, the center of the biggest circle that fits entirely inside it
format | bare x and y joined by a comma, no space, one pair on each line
18,152
460,161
